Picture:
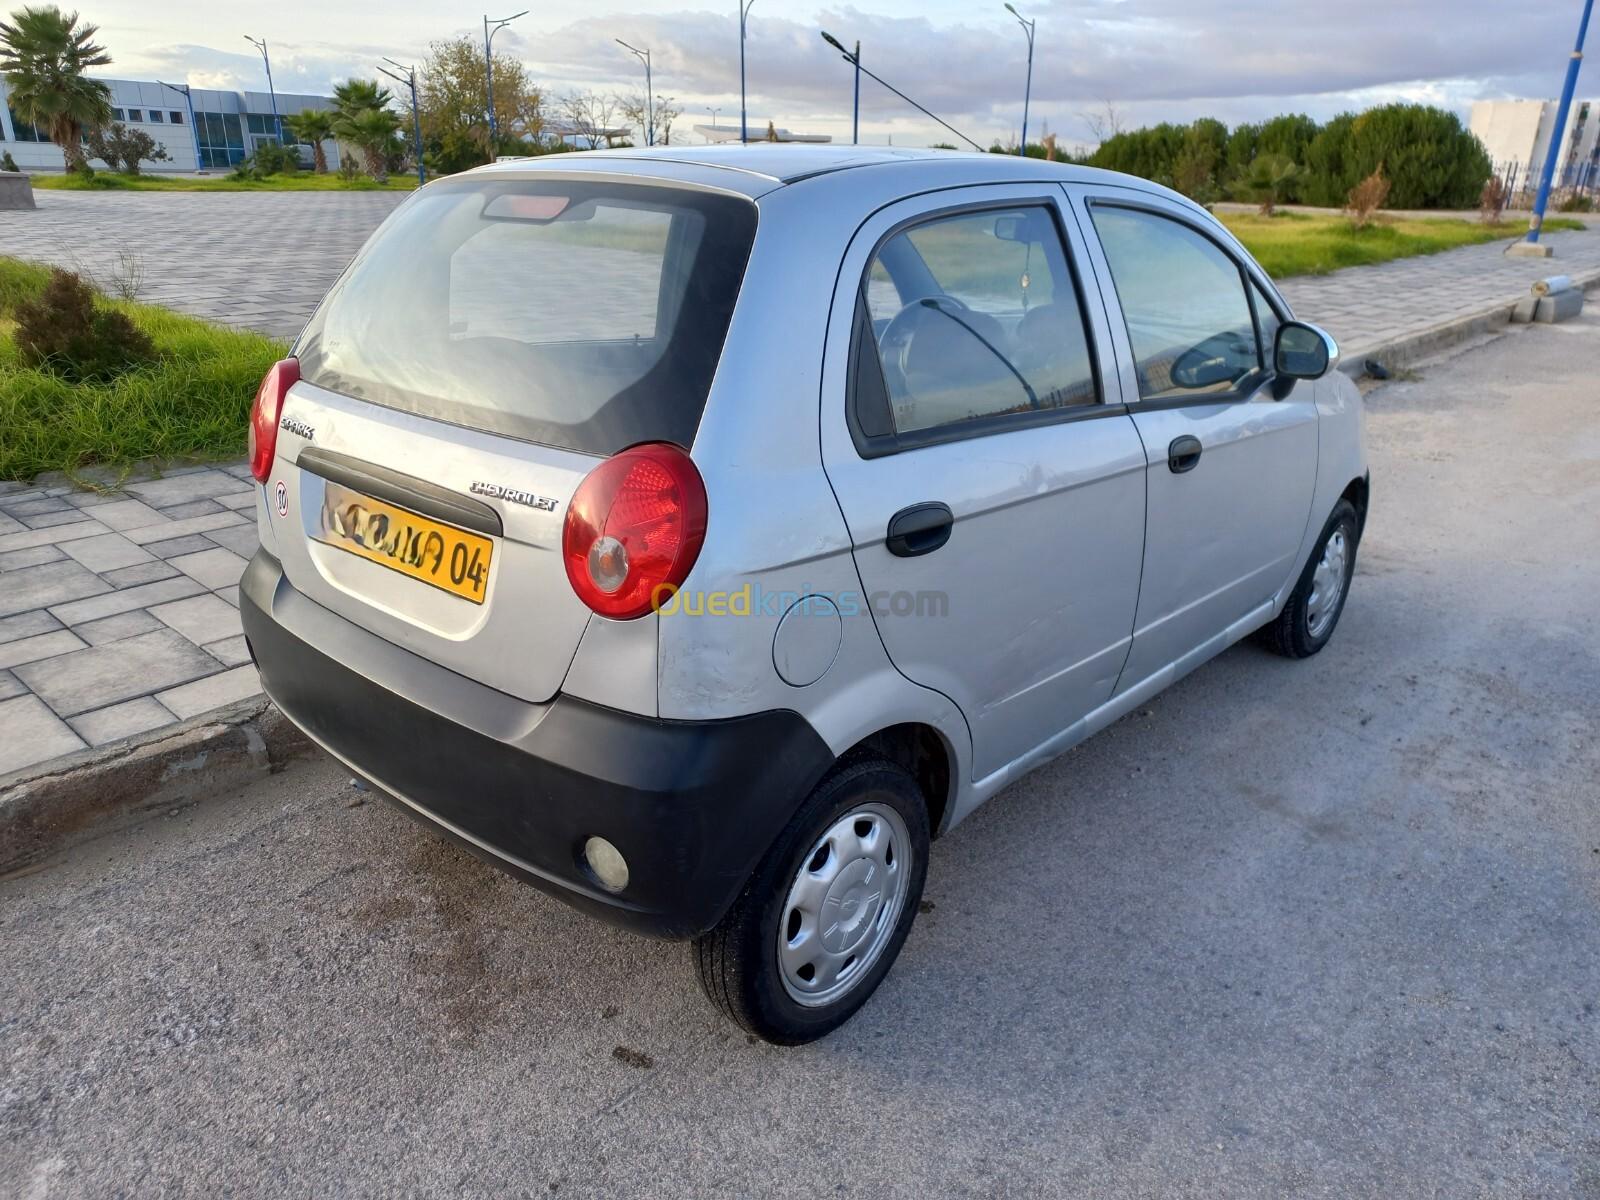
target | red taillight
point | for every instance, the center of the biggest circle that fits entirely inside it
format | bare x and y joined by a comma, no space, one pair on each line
633,530
280,377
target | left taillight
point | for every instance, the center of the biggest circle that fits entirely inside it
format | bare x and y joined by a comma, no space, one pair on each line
264,413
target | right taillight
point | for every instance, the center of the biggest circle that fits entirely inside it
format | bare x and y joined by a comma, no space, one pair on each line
263,439
633,530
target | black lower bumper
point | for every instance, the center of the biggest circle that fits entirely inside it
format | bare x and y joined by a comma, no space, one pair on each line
691,805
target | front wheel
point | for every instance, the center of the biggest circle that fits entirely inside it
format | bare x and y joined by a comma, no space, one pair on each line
1308,619
826,911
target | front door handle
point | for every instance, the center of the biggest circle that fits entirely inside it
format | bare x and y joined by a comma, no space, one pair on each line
920,529
1183,454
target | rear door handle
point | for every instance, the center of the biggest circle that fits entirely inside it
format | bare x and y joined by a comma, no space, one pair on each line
920,529
1183,454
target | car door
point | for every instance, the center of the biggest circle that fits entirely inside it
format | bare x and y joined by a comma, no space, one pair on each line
1231,452
987,470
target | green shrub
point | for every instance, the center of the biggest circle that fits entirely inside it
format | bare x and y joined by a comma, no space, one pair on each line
7,163
66,332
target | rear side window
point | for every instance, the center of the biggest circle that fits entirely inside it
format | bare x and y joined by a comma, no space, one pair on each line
586,315
1189,319
974,317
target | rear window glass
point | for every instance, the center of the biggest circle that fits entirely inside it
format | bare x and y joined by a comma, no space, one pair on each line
587,315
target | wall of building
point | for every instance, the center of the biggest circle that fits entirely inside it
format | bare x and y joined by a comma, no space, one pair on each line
1518,132
226,128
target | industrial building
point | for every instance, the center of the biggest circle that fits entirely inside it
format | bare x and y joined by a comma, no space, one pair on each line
200,128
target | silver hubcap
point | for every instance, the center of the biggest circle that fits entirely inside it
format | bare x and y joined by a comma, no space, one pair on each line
1327,584
843,904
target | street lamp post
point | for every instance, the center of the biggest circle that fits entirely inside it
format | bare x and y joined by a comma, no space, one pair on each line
188,103
649,94
855,106
1550,159
261,45
744,13
409,78
713,112
1027,90
488,68
855,61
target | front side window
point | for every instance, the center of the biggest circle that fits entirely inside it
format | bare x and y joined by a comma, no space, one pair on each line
975,316
1183,298
589,316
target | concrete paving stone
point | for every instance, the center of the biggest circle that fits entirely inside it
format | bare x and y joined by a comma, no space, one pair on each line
176,489
82,499
241,539
127,514
10,525
41,646
241,501
241,470
10,685
126,600
201,619
230,652
30,538
33,493
107,552
229,594
26,624
194,508
51,520
14,559
48,584
115,628
192,699
29,508
176,529
100,675
215,567
30,733
118,721
146,572
193,544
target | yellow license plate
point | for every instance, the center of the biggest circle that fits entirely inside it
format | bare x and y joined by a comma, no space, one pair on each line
442,555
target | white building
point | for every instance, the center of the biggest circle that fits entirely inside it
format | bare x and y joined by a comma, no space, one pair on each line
205,129
1517,132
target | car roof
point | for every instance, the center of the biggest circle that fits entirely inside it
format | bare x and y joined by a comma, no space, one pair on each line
763,166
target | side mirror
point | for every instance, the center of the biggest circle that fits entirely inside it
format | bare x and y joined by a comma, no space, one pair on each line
1303,351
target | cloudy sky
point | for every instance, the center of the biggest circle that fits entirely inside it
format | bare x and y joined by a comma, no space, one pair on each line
1154,59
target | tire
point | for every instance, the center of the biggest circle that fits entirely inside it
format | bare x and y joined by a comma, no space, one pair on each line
759,982
1307,621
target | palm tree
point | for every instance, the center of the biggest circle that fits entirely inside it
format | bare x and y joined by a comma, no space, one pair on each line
355,95
43,55
372,131
315,125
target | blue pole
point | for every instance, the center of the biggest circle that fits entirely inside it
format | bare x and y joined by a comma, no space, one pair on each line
744,132
1027,93
488,82
1556,134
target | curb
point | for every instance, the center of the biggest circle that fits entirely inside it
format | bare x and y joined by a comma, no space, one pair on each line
222,749
1426,343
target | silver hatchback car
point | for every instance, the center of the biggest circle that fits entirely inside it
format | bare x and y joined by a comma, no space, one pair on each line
696,533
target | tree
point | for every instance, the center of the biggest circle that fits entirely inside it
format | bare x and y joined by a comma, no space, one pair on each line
314,125
1199,163
1104,122
1270,179
362,117
451,99
655,123
43,56
123,149
591,115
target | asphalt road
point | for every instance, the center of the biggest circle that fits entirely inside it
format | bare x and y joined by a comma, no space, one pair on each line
1328,928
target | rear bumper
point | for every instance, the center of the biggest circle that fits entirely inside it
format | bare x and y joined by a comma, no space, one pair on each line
691,805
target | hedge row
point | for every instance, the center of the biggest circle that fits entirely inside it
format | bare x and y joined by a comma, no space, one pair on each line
1430,160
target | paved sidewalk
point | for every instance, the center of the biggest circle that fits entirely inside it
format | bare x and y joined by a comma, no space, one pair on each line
119,611
256,260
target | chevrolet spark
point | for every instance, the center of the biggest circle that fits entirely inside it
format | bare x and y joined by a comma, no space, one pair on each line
695,534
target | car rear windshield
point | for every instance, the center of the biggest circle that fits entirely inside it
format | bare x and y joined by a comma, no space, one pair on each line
588,315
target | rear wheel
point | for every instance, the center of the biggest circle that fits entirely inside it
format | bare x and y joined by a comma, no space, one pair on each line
1308,619
825,913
